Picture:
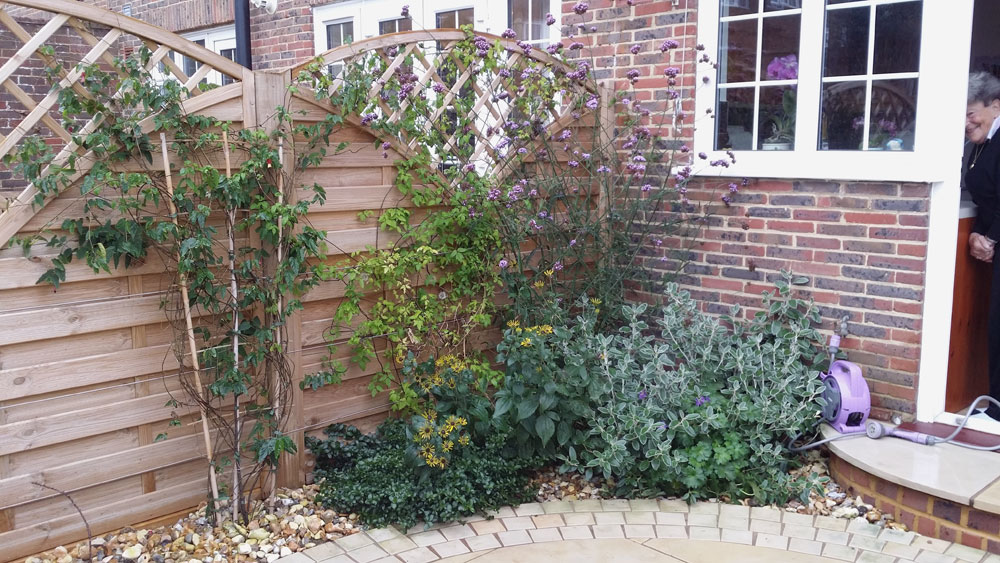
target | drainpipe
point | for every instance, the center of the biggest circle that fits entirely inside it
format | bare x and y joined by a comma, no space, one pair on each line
241,15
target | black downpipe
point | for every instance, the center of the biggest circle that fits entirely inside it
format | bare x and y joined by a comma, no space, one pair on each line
241,15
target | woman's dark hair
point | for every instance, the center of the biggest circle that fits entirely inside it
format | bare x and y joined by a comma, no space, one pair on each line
983,87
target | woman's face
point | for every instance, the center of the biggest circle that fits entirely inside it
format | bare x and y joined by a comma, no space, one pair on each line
978,120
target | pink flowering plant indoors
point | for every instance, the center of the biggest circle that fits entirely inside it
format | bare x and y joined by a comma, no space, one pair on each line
783,119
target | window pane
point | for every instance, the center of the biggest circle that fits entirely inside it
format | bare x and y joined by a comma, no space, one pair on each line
738,51
387,27
897,37
894,112
846,42
333,36
231,55
734,119
780,48
777,118
776,5
465,17
843,115
538,28
347,32
404,24
191,65
446,20
738,7
520,18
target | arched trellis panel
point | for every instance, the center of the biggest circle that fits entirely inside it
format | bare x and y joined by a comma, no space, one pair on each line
424,58
75,36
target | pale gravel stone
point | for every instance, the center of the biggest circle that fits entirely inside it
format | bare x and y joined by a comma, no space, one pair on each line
519,523
670,519
354,541
705,508
480,543
734,523
965,553
324,551
841,552
608,531
502,512
419,555
934,557
831,523
673,506
900,550
448,549
615,504
737,536
829,536
766,527
548,520
805,546
579,519
576,533
397,545
545,535
606,518
769,513
639,531
383,534
704,520
931,544
458,532
797,519
897,536
514,537
557,506
367,553
872,557
529,509
589,505
644,505
705,534
861,526
640,517
671,532
772,541
734,511
801,532
428,538
488,527
867,543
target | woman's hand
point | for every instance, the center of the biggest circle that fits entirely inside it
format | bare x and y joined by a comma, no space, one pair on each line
981,247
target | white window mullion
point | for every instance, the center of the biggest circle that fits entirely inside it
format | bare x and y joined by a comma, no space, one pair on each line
810,88
755,134
870,69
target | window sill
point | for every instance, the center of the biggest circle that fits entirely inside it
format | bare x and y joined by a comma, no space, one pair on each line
870,166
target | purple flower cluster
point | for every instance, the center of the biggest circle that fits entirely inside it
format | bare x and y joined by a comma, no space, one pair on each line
554,48
439,88
581,8
642,395
405,12
525,46
368,118
575,46
603,169
783,68
493,194
634,49
579,74
669,44
503,264
557,266
592,103
550,19
482,46
508,34
632,75
703,400
671,71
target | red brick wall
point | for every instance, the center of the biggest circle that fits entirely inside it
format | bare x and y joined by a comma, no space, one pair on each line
925,514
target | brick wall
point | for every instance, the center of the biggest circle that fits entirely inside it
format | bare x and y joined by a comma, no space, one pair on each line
925,514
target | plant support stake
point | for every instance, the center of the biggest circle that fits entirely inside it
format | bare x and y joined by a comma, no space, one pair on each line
192,345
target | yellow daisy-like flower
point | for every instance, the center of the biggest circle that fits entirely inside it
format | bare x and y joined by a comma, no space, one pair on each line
513,324
425,433
539,284
448,445
526,342
549,273
464,440
594,301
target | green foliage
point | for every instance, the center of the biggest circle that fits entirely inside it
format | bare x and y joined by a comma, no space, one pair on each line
378,478
705,410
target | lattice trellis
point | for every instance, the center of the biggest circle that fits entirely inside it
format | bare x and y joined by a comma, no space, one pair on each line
76,36
425,56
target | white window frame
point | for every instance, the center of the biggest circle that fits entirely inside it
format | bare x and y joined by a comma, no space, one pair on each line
553,7
216,40
806,161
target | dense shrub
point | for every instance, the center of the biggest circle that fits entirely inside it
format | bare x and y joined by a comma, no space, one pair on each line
379,477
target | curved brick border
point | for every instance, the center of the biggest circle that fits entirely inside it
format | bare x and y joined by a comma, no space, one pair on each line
835,539
929,515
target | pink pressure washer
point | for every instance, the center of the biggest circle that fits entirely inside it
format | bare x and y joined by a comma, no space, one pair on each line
845,391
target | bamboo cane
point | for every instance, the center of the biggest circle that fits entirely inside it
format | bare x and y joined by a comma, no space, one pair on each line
275,393
192,345
234,293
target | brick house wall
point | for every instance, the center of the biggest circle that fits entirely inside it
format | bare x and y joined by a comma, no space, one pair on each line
861,245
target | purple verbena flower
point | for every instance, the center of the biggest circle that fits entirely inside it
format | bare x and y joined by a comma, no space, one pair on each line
557,266
671,71
550,19
368,118
634,49
508,34
643,395
439,88
575,46
573,164
703,156
493,194
503,264
669,44
632,75
646,187
592,103
572,242
405,12
603,170
704,399
581,8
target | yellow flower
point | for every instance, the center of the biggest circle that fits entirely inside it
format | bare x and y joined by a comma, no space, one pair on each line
513,324
539,284
549,272
448,445
526,342
464,440
594,301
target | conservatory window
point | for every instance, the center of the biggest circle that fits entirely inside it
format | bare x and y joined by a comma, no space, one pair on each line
395,25
758,74
870,63
527,19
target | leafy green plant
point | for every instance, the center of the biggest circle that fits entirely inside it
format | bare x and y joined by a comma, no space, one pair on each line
379,478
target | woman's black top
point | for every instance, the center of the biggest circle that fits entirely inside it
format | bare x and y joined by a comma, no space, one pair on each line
982,179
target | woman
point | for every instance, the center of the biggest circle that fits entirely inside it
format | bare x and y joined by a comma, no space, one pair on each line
982,178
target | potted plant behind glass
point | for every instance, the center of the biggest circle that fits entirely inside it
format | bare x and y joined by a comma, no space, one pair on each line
782,122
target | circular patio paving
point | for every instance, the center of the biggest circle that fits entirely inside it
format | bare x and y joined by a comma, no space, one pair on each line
665,531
